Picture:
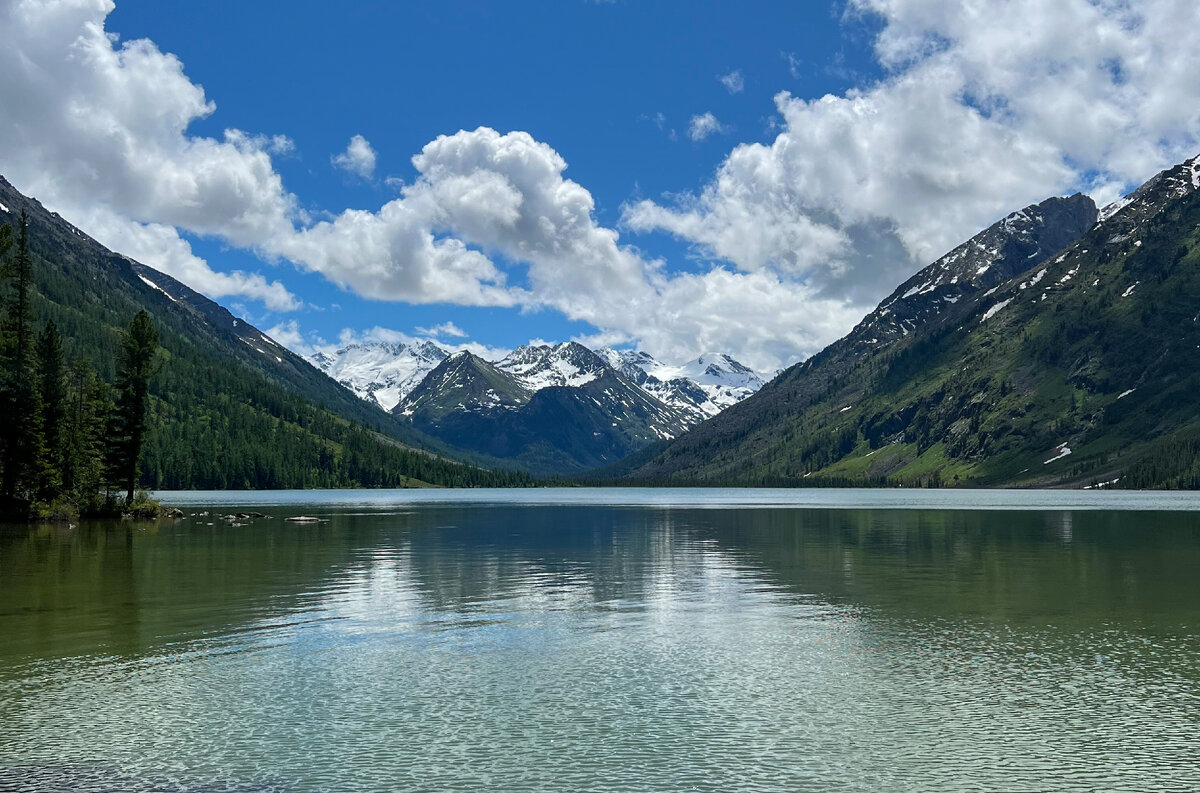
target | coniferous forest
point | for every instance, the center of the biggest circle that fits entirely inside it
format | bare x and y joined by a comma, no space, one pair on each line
109,386
72,441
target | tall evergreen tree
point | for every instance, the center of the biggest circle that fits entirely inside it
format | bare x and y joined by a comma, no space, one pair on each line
21,436
139,349
52,379
90,406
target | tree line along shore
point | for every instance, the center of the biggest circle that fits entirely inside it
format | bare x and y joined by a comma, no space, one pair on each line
70,442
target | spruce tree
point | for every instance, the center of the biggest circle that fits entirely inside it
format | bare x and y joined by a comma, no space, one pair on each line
21,435
52,379
139,348
89,411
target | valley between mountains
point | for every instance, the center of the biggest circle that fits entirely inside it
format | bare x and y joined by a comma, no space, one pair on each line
1058,347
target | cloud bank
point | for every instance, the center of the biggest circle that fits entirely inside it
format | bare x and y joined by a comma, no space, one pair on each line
984,108
981,110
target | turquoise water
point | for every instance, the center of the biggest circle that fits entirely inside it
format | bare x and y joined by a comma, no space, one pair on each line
637,640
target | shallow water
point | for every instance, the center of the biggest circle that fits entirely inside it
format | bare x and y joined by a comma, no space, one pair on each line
609,640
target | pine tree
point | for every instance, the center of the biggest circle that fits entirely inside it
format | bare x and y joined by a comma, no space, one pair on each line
23,452
52,379
139,349
88,414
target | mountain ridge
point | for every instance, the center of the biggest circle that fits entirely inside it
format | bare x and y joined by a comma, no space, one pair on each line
915,409
472,404
385,372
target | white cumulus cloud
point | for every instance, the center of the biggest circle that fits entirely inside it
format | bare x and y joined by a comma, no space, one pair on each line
984,108
162,248
358,158
703,125
734,82
99,132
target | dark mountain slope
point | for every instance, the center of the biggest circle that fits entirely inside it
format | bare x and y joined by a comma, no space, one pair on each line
474,405
937,296
1077,369
230,407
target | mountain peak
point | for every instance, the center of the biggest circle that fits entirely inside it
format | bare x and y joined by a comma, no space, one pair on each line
380,372
1010,246
1165,186
542,365
461,382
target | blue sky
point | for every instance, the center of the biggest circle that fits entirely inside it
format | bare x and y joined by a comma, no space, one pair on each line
746,177
611,86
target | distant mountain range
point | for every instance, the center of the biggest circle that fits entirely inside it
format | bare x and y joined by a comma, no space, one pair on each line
555,429
1058,347
559,408
386,372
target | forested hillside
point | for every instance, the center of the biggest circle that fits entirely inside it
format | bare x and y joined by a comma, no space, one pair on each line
229,408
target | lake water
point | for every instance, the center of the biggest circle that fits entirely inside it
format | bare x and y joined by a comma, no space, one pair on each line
611,640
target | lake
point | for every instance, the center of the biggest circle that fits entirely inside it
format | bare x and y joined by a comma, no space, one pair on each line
608,640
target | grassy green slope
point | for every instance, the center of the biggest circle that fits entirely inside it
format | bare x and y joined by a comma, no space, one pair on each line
1068,357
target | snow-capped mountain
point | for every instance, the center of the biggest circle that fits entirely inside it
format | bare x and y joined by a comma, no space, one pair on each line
462,382
543,365
701,388
381,372
386,373
557,428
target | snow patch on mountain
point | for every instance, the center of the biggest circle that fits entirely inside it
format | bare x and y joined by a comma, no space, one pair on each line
386,373
1113,208
380,372
701,388
153,285
1062,450
544,365
994,310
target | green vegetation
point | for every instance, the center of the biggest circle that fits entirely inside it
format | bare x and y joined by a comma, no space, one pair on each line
57,463
1083,370
216,407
